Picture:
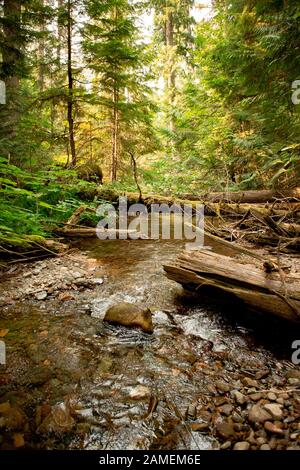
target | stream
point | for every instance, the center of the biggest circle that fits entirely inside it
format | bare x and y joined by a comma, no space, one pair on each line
74,382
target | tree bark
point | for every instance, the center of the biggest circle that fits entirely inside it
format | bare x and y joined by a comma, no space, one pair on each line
11,57
115,135
205,271
71,88
254,196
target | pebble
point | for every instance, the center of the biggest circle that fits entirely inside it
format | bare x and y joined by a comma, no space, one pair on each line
239,397
248,382
261,441
271,427
226,409
222,387
255,396
226,445
241,446
258,415
271,396
275,410
237,417
265,447
225,430
41,295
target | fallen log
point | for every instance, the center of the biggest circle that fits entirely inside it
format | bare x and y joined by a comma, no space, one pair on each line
252,285
251,196
91,232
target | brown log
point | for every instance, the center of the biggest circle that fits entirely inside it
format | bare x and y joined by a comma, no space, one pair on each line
250,284
92,232
253,196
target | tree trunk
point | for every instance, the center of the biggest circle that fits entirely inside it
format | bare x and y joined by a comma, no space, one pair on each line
11,57
115,135
254,196
71,89
41,49
170,43
207,272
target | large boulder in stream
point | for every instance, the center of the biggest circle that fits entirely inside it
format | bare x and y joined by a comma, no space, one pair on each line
132,315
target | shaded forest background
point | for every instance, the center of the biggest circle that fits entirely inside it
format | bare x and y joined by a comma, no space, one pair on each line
98,87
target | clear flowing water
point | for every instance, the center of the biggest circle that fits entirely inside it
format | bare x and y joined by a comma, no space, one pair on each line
111,387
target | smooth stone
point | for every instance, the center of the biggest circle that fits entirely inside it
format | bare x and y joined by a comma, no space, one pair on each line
226,409
239,397
258,415
131,315
225,430
265,447
241,446
248,382
222,387
41,295
271,427
275,410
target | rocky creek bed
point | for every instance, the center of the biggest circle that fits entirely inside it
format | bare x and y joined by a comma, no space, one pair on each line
208,377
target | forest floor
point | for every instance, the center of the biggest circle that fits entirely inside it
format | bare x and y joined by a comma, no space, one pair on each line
206,378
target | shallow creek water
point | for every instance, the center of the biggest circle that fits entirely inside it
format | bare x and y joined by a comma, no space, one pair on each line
112,387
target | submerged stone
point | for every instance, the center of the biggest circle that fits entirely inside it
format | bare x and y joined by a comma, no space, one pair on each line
131,315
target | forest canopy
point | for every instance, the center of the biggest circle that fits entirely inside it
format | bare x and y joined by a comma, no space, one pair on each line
193,96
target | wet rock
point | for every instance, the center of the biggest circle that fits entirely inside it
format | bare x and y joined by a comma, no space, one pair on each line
132,315
261,440
262,374
257,414
238,397
255,396
58,422
241,446
265,447
272,428
237,418
222,387
226,409
226,445
41,295
225,429
248,382
238,427
274,410
140,392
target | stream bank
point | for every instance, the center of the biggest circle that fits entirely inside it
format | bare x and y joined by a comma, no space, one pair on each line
209,377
